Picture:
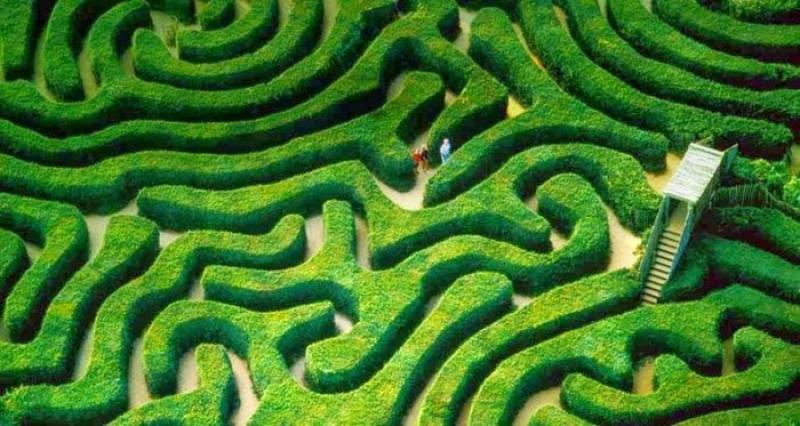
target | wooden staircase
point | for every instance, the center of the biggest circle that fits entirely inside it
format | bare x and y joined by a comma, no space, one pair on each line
667,249
686,196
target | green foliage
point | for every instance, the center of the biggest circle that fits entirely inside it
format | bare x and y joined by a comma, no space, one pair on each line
688,330
650,76
153,62
763,11
658,39
208,405
774,175
714,261
216,42
461,304
767,42
217,14
126,311
767,229
129,246
603,90
791,192
60,230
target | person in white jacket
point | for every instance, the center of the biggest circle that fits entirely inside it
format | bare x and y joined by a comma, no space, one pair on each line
444,150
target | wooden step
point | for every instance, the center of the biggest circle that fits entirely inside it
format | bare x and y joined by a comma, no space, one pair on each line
650,300
663,242
663,262
661,268
676,238
655,280
651,292
661,254
655,290
658,274
670,242
666,252
654,284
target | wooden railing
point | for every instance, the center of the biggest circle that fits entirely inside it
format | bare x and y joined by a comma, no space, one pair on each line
696,210
652,240
752,194
694,213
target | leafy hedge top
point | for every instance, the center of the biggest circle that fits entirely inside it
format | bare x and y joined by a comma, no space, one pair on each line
234,124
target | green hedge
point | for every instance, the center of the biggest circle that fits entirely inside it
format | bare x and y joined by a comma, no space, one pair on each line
181,9
129,246
508,219
617,177
124,314
67,25
60,231
107,41
554,416
712,261
13,261
767,229
556,118
751,415
604,354
763,270
680,123
385,302
135,99
495,46
555,311
217,14
241,37
17,45
154,62
764,12
481,103
766,42
481,99
468,305
682,393
607,48
374,138
251,335
659,40
209,405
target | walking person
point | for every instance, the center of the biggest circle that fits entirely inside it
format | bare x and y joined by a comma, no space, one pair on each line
424,156
444,150
416,155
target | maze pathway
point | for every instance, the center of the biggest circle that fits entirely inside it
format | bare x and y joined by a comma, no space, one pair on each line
209,212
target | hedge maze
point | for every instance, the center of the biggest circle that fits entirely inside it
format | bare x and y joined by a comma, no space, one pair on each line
209,212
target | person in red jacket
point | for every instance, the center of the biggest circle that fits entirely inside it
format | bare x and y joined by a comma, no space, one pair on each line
416,155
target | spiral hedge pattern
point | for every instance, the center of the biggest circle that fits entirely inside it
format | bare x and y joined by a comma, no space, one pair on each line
163,162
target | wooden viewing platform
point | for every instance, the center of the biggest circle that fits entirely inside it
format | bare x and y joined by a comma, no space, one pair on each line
685,198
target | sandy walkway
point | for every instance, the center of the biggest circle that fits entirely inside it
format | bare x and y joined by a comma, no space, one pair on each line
465,18
138,393
659,181
623,245
549,396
